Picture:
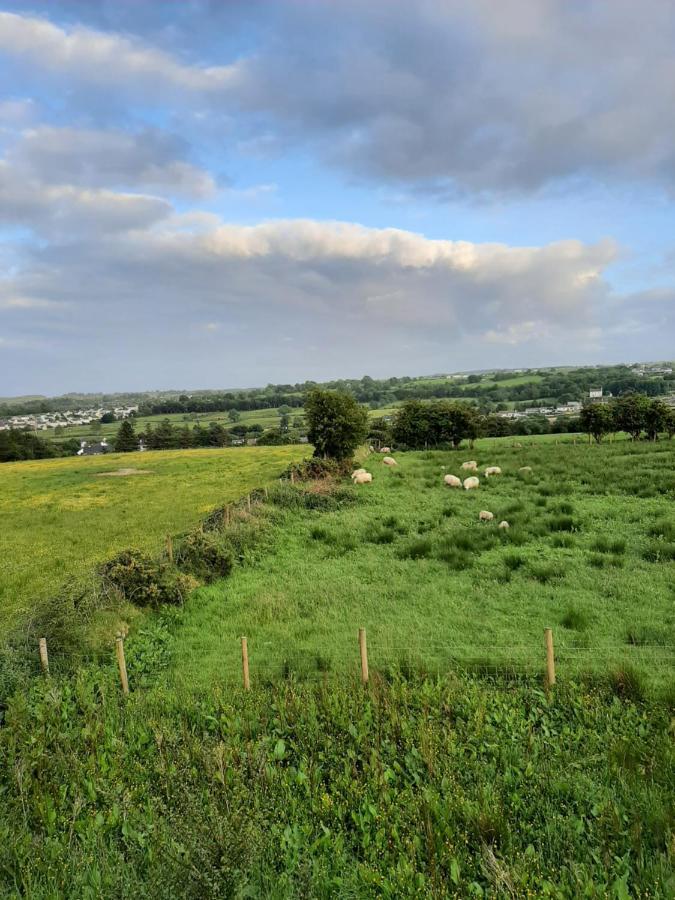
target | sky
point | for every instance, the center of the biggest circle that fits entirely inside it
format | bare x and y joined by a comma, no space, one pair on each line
226,193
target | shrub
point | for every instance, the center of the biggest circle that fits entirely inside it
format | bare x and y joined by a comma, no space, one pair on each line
288,497
206,555
315,469
144,582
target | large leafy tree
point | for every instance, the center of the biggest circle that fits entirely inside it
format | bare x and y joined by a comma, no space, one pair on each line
597,419
337,424
631,412
418,425
657,417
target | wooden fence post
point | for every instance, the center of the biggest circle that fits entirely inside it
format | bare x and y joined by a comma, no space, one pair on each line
550,659
292,477
248,501
169,548
244,664
363,647
121,663
44,657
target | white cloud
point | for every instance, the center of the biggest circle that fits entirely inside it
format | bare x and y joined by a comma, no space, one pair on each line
101,58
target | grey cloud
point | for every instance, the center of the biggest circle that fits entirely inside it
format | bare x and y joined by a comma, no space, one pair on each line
92,158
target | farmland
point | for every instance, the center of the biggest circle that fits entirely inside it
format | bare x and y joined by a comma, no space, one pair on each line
62,516
589,553
453,774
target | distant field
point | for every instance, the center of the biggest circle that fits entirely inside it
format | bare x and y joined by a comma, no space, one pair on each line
61,516
589,552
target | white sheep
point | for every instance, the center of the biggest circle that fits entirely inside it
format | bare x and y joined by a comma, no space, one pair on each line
385,450
492,470
357,472
504,524
470,483
389,461
485,516
363,478
452,481
526,470
471,466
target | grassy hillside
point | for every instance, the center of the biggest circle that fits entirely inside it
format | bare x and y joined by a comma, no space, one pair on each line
61,516
589,552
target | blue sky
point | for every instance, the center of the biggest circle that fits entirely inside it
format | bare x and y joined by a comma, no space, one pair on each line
211,194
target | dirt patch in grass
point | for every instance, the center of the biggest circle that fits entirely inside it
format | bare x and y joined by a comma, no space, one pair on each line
122,473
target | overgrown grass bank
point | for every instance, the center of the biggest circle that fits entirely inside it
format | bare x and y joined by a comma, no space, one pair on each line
416,788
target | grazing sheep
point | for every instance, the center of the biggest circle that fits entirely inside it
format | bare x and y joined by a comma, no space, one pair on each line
452,481
357,472
470,483
518,446
389,461
492,470
485,515
385,450
526,470
471,466
504,524
363,478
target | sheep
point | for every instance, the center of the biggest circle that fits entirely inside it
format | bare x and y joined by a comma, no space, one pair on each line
389,461
526,470
492,470
357,472
471,466
485,516
452,481
363,478
470,483
385,450
504,524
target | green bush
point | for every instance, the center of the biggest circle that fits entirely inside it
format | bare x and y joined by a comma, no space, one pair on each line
315,469
143,581
206,554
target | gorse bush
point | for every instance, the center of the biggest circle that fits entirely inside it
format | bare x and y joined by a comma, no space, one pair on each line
144,581
205,554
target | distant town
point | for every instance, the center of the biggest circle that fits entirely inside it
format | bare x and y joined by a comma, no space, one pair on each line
46,421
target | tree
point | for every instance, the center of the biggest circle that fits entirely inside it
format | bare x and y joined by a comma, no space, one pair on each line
597,419
126,439
630,411
107,418
656,419
234,415
284,422
418,425
337,424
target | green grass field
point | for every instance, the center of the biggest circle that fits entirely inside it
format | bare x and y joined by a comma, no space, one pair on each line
589,553
62,516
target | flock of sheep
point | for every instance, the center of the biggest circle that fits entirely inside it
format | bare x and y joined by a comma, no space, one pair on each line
362,476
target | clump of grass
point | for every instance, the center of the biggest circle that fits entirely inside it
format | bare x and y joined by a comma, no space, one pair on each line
513,561
575,619
603,545
381,536
627,684
545,573
664,529
456,558
659,551
562,523
563,540
421,548
565,508
449,512
640,636
541,501
394,523
320,533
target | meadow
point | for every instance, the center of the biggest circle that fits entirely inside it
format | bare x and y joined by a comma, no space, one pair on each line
60,517
589,552
454,773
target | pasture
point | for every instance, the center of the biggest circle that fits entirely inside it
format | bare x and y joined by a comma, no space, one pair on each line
62,516
589,552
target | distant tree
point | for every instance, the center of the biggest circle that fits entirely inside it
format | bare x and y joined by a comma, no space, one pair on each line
284,422
630,411
336,423
670,423
234,415
185,437
107,418
418,425
597,419
126,439
218,436
656,419
164,436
